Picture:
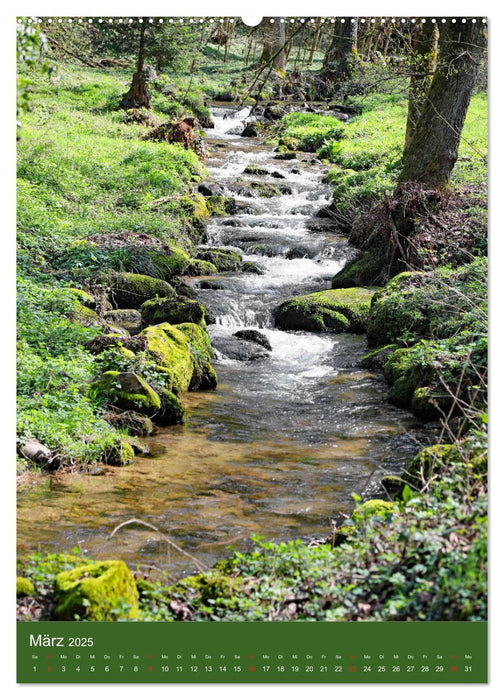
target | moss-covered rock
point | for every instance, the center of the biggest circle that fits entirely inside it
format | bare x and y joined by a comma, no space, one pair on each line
128,391
255,170
342,534
167,264
172,409
211,585
376,358
199,267
119,454
129,290
24,587
134,422
225,260
219,205
169,348
363,271
184,354
335,310
251,268
85,316
83,297
195,211
204,375
430,305
95,592
265,190
406,374
173,310
376,507
130,319
430,461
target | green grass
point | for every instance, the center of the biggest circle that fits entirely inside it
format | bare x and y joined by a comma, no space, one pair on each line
82,171
367,151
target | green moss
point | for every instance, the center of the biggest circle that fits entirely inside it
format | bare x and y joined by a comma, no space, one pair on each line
83,297
128,391
204,375
199,267
169,348
179,310
255,170
342,534
264,190
220,206
85,316
363,271
430,305
99,592
430,461
377,358
407,374
24,587
336,310
375,507
118,454
170,265
172,409
210,586
129,290
224,260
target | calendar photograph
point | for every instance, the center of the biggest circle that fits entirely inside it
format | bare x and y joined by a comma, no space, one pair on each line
252,349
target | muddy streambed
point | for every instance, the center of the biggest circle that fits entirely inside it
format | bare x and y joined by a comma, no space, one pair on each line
283,442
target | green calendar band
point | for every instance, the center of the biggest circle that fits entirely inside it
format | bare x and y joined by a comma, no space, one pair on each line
248,652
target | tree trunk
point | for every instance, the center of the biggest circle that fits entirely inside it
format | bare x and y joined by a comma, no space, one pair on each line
336,65
433,148
425,45
138,94
273,43
315,40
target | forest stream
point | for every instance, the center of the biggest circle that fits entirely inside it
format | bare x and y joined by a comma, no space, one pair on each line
282,443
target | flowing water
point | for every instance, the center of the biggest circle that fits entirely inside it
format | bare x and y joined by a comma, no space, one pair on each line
283,442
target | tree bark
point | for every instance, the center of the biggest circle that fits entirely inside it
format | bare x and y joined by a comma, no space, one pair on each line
138,94
433,147
273,43
425,45
336,65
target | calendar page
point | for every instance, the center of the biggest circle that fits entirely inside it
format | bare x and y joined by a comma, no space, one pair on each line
252,349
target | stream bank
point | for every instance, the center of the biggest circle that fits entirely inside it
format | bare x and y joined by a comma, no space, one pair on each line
282,443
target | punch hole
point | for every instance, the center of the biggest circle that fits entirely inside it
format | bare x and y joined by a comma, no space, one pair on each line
251,21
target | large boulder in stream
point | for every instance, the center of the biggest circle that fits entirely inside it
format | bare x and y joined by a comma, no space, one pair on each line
183,355
334,310
225,260
234,348
254,336
252,130
264,190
